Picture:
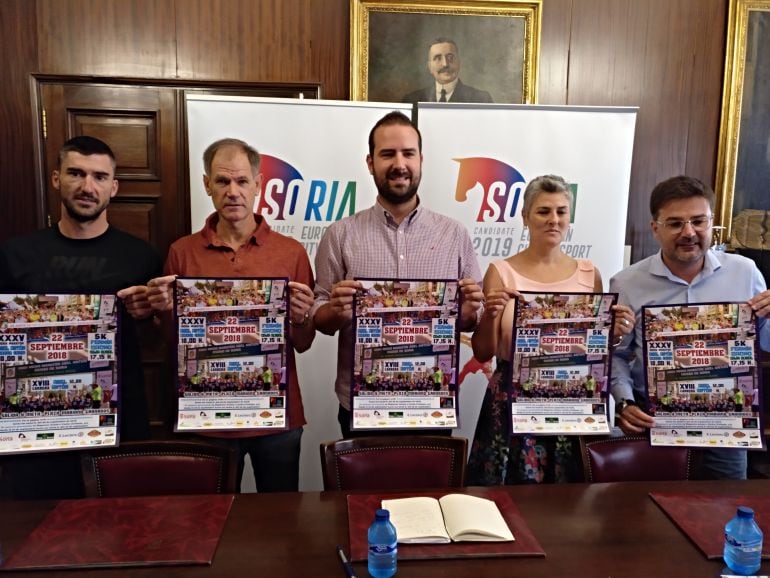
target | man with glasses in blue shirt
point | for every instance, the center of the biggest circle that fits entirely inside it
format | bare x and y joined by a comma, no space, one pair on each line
685,270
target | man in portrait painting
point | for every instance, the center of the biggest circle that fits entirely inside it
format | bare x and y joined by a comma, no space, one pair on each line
444,66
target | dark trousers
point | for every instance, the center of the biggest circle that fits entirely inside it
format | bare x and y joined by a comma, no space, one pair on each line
44,476
274,459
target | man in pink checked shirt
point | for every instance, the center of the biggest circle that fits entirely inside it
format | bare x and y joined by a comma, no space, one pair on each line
397,238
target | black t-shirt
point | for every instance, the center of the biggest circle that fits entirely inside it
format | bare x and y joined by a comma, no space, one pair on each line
48,262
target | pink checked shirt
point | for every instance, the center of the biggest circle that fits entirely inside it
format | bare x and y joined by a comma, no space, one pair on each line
370,244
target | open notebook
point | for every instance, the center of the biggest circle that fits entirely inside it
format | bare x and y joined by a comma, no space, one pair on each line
454,517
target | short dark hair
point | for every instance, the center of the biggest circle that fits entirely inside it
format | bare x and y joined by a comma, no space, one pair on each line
681,187
212,150
86,146
394,118
444,40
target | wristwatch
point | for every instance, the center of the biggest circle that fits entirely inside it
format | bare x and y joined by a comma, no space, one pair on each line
623,404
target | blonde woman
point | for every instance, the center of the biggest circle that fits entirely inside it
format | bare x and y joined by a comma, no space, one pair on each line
496,457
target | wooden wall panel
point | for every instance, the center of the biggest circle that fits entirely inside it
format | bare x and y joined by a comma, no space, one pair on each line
18,44
665,56
625,52
554,51
245,40
706,97
107,37
329,40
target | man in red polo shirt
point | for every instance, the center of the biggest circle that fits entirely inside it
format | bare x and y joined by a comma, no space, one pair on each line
235,242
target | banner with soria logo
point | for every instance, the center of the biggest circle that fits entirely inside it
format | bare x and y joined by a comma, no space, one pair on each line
313,157
478,159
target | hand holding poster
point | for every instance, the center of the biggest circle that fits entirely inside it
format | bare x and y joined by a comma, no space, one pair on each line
231,347
561,363
702,376
406,347
58,366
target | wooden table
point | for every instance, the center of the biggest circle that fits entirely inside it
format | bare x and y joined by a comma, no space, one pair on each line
587,530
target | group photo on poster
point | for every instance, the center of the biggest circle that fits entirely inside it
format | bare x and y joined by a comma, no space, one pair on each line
406,349
702,375
231,347
561,361
58,367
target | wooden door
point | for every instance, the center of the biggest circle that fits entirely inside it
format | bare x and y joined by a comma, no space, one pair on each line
140,125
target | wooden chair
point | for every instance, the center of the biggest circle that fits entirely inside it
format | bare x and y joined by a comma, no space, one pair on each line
631,458
159,468
394,462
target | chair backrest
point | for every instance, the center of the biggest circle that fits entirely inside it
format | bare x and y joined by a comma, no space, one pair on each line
631,458
394,462
159,468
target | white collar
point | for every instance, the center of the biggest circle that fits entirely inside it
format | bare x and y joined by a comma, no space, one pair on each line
449,87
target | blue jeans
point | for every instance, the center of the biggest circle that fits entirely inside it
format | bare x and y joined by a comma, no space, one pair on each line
724,464
274,459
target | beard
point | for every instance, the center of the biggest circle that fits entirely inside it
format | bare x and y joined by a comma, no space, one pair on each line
81,215
394,196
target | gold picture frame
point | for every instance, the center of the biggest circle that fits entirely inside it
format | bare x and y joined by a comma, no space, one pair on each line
744,139
498,43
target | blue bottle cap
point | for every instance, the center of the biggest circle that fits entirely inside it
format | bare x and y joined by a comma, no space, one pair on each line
385,514
745,512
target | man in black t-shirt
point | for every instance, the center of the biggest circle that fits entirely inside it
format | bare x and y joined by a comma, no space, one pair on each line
83,254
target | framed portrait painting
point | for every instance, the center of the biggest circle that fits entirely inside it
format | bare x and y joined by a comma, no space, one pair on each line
436,50
743,168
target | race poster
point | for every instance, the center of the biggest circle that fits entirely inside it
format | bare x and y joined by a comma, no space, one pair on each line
58,365
702,375
561,362
231,345
406,349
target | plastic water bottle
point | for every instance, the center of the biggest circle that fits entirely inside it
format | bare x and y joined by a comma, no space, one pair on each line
743,543
383,546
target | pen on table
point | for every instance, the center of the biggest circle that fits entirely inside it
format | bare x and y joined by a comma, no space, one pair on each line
346,563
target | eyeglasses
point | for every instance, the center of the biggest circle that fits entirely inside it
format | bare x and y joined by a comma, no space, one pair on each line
699,224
